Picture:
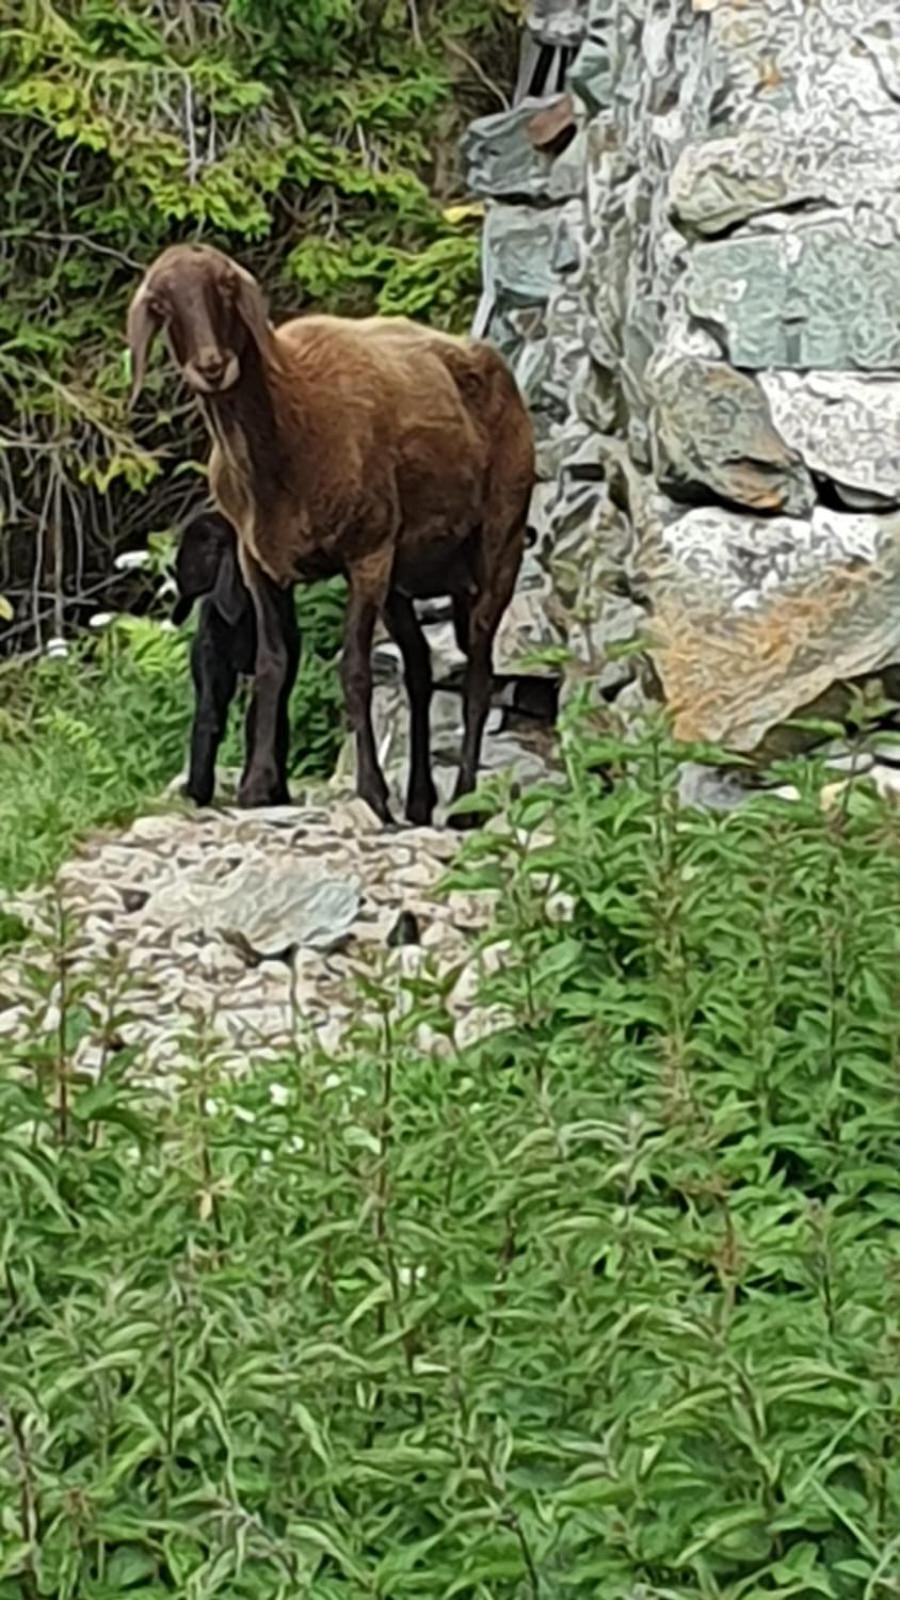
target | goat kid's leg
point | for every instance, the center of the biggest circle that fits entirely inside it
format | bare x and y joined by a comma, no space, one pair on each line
215,681
400,616
368,581
264,782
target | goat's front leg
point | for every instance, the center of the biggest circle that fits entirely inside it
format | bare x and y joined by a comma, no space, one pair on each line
400,616
215,681
368,581
283,731
264,781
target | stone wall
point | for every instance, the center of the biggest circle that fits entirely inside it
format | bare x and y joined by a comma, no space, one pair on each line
692,258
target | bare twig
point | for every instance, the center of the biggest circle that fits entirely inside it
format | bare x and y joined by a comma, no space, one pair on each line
475,67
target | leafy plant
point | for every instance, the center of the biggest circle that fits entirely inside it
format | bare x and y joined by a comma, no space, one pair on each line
605,1304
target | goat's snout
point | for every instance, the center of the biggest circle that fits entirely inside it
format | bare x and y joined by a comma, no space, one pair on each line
212,371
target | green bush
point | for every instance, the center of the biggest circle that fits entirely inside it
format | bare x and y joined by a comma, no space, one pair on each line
604,1306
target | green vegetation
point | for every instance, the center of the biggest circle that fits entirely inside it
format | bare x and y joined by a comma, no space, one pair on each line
605,1306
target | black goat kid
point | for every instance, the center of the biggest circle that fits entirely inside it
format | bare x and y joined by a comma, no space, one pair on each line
224,648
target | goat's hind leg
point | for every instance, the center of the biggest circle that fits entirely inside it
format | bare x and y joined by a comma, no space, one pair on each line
400,616
484,616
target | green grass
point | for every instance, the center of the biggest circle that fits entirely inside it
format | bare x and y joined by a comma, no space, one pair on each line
606,1306
85,742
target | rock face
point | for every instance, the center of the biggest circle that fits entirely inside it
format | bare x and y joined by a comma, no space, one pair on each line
692,260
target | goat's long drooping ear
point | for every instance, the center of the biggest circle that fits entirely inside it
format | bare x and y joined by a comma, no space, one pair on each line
250,305
143,324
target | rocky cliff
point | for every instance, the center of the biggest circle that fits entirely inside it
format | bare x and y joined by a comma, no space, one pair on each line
692,258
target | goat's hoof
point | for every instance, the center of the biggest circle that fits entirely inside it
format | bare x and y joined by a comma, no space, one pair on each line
199,797
420,812
254,796
465,821
378,804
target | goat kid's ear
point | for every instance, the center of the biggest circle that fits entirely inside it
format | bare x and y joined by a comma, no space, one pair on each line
143,325
181,610
250,305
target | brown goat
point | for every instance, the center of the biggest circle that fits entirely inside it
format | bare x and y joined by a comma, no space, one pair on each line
400,457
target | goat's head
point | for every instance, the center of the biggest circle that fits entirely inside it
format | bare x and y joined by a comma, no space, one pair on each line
207,563
211,310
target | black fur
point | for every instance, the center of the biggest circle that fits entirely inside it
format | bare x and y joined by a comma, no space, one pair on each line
224,648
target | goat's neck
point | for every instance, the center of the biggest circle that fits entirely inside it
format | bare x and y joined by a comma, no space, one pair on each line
244,424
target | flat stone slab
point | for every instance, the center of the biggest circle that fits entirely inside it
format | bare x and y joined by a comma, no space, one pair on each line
718,183
816,296
844,426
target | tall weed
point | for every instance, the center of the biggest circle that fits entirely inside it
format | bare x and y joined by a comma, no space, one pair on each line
604,1306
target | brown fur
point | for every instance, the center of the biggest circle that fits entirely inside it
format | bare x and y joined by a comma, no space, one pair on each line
376,448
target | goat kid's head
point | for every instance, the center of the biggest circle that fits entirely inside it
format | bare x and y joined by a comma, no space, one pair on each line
207,563
211,310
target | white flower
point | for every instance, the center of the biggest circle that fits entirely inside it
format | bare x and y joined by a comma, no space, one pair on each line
278,1094
167,626
298,1143
102,619
266,1157
333,1081
57,649
243,1115
132,560
211,1107
407,1276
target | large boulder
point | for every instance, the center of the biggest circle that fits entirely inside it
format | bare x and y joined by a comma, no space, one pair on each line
698,284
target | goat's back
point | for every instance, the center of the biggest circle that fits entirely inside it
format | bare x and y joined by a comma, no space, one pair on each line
401,432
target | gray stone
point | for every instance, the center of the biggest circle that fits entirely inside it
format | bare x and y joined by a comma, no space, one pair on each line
717,183
712,429
270,904
514,155
817,414
753,619
590,76
558,22
710,788
528,249
814,296
637,334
